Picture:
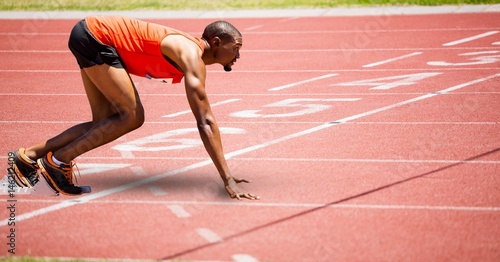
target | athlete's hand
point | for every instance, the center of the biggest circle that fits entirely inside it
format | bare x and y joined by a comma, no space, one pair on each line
235,192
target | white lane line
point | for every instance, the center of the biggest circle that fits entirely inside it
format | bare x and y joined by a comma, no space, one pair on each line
301,82
212,105
33,34
93,168
356,160
110,191
253,27
38,71
35,51
360,50
364,31
472,38
392,59
248,94
289,19
141,172
425,123
127,154
138,170
157,191
285,205
243,258
208,235
291,50
18,122
179,211
284,71
442,29
460,86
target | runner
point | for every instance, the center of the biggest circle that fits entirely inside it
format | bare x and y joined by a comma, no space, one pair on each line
107,50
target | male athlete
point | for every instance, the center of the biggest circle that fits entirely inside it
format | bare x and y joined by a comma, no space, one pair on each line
107,50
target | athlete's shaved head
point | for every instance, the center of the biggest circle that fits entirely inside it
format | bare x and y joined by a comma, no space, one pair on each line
222,29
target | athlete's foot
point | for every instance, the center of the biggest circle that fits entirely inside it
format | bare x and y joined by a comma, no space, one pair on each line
24,168
59,177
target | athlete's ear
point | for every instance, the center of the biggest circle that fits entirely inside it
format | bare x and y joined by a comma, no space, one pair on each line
216,41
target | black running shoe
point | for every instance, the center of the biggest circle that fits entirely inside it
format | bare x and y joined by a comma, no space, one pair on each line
24,169
60,178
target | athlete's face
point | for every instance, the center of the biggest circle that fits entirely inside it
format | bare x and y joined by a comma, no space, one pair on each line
228,52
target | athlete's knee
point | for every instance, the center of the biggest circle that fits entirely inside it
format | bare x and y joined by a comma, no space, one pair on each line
139,118
133,118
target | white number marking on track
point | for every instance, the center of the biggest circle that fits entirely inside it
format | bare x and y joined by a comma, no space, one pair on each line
294,103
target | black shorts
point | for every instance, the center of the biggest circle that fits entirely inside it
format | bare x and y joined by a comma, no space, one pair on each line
90,52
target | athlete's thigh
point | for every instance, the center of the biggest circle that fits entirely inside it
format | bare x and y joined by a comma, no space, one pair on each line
99,104
116,87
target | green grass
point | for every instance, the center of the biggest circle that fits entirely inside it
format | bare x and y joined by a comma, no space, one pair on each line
44,5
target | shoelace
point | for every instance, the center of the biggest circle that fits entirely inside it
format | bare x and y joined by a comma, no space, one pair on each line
69,174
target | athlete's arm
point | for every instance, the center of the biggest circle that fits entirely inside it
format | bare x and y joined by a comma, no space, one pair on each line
194,77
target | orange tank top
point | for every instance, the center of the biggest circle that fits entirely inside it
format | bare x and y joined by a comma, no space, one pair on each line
138,44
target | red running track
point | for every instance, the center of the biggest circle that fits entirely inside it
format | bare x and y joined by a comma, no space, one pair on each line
368,138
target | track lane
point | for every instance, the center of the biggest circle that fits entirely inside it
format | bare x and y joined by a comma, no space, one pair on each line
272,230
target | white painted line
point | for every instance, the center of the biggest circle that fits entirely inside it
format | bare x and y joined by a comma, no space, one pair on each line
393,59
157,191
43,94
322,50
446,30
212,105
243,258
341,99
286,205
35,51
285,71
253,27
208,235
127,154
141,172
301,82
441,29
454,88
425,123
33,34
495,43
289,19
110,191
367,160
212,95
138,170
359,50
38,71
179,211
93,168
472,38
256,123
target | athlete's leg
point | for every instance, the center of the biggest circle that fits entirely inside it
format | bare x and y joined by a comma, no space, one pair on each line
116,110
95,98
58,141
